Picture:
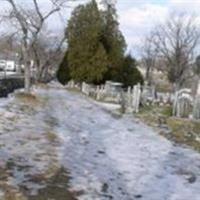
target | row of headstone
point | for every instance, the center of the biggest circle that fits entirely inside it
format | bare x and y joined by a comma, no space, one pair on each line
185,105
70,84
132,99
148,94
100,92
196,109
183,102
85,88
112,92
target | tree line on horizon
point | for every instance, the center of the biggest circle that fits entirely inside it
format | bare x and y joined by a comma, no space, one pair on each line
96,49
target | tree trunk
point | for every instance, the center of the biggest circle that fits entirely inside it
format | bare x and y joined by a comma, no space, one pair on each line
147,75
198,88
27,67
27,79
176,88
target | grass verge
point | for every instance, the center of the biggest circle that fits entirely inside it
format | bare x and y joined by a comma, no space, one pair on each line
181,131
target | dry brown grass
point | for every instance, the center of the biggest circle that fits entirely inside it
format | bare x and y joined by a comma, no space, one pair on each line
26,98
182,131
185,131
52,137
42,85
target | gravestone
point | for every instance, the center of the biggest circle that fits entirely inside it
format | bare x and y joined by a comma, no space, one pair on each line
129,96
183,101
196,108
136,97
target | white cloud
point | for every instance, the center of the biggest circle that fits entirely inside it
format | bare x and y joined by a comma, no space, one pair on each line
137,19
136,22
143,15
185,3
189,6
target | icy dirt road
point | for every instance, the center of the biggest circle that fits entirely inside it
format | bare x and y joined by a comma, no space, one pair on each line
64,146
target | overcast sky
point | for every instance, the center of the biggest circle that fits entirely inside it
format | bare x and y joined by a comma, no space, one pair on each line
137,17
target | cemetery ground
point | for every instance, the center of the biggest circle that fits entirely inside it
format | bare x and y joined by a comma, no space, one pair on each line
179,130
60,145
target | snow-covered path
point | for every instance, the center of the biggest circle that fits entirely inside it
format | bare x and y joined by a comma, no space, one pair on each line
107,156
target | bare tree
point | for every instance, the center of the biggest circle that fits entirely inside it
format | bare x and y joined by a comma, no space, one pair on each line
176,41
29,23
47,52
7,45
149,56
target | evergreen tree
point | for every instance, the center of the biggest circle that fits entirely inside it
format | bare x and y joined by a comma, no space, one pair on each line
63,73
87,57
129,74
113,41
197,66
96,48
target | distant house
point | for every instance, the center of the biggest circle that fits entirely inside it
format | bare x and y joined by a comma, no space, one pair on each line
9,62
7,65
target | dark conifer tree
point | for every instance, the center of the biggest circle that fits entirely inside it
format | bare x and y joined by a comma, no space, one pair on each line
86,54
